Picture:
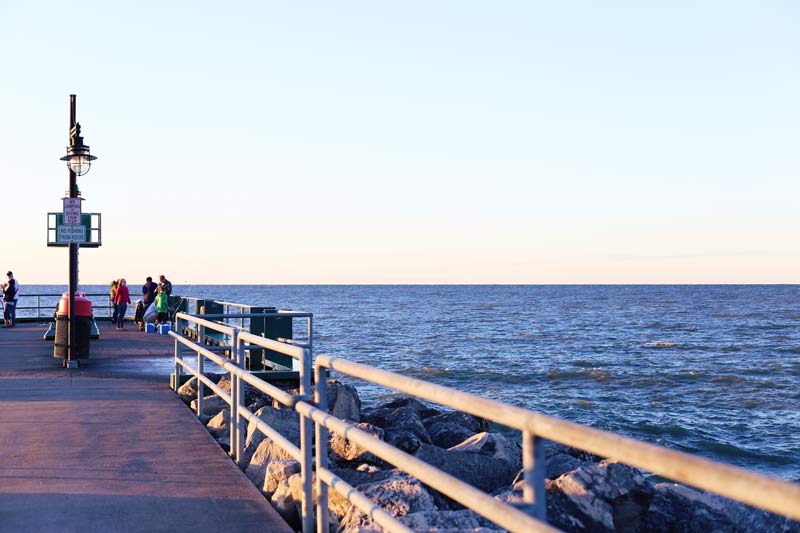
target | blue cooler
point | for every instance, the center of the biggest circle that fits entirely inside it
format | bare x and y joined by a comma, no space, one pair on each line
149,328
163,329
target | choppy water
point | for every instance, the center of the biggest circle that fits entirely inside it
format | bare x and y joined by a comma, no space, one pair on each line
713,370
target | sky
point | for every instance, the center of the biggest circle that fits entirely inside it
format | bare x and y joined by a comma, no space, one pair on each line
407,142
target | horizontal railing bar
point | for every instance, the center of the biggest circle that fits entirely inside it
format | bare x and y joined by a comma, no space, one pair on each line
466,494
737,483
215,326
274,314
294,342
364,504
292,351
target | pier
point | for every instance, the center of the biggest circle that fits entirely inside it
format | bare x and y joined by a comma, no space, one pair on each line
108,446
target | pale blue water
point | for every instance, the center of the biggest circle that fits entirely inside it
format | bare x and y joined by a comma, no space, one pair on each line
713,370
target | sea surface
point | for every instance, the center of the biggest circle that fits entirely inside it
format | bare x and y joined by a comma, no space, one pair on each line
712,370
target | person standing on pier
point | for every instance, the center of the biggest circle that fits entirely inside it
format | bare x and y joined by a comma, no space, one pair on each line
165,285
122,299
10,297
162,305
148,292
112,293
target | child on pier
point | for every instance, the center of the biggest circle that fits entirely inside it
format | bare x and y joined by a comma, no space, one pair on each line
162,305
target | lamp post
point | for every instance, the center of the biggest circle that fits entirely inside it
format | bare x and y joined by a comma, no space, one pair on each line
79,160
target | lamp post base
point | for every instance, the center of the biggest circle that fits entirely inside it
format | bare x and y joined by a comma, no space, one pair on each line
70,363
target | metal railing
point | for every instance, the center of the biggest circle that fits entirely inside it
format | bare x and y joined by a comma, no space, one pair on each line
761,491
42,306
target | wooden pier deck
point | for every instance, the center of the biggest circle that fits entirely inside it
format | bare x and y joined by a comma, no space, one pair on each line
108,446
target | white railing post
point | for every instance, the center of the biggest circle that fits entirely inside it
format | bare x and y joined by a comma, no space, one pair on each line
178,357
321,437
201,336
236,401
306,471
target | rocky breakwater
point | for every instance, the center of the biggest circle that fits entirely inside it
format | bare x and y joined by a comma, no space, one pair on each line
584,492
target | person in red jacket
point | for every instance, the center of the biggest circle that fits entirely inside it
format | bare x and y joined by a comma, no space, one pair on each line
122,299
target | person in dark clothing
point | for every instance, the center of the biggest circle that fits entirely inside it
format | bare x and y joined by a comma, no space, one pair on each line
148,292
165,285
112,294
10,297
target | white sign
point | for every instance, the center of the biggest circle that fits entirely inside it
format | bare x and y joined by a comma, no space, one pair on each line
72,212
70,233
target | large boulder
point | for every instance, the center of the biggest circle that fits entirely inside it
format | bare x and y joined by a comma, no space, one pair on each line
343,450
494,445
267,452
188,391
284,421
467,421
607,497
479,470
403,440
399,495
445,521
680,508
220,428
343,401
424,411
447,434
407,419
278,472
211,405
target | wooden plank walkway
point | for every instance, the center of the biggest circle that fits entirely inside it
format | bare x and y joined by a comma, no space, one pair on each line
108,446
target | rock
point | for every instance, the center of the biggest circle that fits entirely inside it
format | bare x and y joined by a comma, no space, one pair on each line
219,427
472,423
552,449
266,453
277,472
607,496
283,500
402,439
211,405
447,434
424,411
407,419
188,391
343,450
439,521
679,508
343,401
561,464
494,445
399,495
482,471
284,421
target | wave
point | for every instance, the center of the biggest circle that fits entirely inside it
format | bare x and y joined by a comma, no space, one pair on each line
595,374
659,344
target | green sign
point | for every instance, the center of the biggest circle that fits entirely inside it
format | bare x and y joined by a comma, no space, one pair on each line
87,234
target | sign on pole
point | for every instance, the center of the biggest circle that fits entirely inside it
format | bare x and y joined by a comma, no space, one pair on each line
72,212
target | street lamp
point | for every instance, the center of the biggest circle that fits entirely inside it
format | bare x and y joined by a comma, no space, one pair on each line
79,160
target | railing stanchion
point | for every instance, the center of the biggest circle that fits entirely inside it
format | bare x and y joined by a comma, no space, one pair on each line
178,357
321,437
534,466
236,400
306,471
201,336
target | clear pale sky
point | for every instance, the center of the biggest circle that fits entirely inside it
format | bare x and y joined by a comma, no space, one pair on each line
407,142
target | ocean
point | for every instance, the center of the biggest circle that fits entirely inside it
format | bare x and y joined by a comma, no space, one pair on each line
712,370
